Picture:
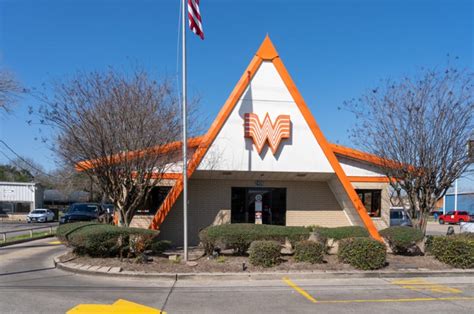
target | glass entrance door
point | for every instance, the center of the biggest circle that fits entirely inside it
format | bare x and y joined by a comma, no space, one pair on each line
248,202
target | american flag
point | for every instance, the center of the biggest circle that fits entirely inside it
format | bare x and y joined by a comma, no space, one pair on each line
195,23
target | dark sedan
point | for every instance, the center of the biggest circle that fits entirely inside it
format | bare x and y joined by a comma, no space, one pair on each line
82,212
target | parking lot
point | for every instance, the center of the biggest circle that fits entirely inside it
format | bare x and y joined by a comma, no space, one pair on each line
434,228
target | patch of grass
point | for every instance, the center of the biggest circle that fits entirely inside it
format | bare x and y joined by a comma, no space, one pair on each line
38,234
221,259
177,260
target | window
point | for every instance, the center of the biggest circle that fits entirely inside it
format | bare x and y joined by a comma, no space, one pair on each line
39,211
22,207
156,198
84,208
372,200
396,215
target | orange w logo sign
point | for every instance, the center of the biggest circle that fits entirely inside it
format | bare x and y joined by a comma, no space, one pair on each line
267,131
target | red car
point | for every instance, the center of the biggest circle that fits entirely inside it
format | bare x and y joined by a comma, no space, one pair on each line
455,217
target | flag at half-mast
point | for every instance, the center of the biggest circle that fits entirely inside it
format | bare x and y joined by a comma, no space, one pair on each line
195,22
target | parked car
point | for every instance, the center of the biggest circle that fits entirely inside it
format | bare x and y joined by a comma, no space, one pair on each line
83,212
455,217
40,215
399,217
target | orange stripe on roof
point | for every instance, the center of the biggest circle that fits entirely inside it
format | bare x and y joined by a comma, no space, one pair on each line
161,149
368,179
362,156
165,175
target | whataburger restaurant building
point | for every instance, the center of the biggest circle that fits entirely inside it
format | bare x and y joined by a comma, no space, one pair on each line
265,160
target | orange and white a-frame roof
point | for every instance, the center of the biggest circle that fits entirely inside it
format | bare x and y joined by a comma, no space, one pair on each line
267,58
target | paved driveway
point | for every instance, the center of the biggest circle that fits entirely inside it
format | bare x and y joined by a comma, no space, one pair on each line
29,283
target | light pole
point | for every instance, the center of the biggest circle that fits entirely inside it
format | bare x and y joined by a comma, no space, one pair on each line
456,195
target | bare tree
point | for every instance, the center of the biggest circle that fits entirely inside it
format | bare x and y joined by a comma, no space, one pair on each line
116,128
9,90
421,127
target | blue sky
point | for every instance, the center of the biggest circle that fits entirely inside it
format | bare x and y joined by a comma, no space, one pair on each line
334,50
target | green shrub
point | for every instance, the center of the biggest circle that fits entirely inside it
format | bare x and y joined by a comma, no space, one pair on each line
240,236
103,240
362,253
264,253
428,243
206,242
340,233
402,239
159,246
309,251
63,231
454,250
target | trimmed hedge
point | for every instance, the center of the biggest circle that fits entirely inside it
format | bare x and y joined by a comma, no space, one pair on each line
362,253
103,240
63,231
340,233
309,251
264,253
455,250
401,239
240,236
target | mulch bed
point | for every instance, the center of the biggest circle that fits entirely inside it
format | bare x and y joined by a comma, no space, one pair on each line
231,263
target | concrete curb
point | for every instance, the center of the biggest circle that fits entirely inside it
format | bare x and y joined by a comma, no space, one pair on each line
118,272
26,240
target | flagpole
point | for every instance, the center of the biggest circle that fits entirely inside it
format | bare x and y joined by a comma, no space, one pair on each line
185,136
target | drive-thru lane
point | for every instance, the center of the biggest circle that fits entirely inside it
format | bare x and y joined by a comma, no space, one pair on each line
29,283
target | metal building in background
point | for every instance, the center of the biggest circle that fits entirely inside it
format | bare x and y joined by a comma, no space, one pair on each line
18,198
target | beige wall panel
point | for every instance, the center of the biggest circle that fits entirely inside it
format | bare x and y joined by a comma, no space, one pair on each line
326,218
353,167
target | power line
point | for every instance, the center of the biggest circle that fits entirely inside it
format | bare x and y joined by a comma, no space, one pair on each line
24,160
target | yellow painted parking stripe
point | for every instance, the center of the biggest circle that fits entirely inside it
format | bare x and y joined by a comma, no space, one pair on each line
399,300
119,307
299,290
55,242
418,284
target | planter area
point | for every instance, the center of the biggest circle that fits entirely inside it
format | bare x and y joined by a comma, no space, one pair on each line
263,249
233,264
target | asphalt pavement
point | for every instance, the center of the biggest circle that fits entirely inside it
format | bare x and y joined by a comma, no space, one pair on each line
29,283
434,228
13,227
